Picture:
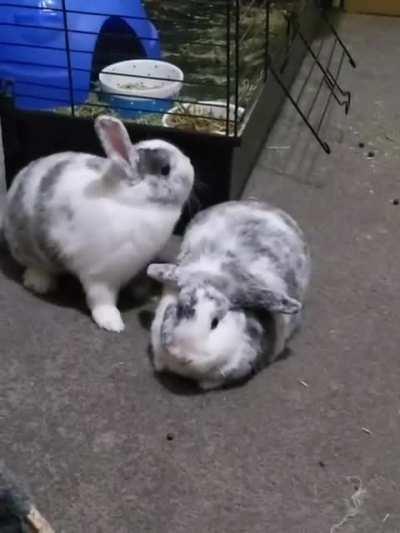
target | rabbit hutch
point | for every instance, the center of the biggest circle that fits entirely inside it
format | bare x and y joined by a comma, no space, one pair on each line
207,75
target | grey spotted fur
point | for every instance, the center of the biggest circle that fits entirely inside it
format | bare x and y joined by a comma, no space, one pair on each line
247,256
102,219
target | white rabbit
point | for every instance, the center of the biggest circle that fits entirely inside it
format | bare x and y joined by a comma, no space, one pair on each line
101,219
235,296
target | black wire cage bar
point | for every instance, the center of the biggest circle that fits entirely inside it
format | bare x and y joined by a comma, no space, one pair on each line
228,65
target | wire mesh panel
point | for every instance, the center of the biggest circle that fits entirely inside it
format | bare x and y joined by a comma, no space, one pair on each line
323,64
50,50
195,65
208,75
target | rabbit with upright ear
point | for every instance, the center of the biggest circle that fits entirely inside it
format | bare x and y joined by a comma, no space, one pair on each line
101,219
235,296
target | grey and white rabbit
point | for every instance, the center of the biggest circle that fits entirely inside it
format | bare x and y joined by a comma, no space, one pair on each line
235,295
101,219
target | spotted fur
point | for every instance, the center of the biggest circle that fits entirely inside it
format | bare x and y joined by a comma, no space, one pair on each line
246,266
102,219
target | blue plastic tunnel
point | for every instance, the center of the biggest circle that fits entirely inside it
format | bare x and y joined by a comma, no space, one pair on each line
36,35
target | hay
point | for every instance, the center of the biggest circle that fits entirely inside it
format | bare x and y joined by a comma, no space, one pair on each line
367,431
200,48
353,506
304,383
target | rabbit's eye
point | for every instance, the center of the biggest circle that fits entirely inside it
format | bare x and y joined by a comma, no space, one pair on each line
165,170
214,323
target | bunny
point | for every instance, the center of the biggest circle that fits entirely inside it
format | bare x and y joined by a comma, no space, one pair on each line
100,219
235,295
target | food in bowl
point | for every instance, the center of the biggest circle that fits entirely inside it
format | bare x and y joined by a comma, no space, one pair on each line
205,117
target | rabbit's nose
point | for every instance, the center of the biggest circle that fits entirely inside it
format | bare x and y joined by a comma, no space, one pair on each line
180,355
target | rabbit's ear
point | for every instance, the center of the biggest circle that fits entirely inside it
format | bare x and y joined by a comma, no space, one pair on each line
114,138
252,293
163,272
277,302
267,300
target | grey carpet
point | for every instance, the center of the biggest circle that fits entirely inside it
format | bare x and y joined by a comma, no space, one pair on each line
108,447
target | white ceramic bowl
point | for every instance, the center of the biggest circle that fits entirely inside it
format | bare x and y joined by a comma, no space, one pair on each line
116,79
209,108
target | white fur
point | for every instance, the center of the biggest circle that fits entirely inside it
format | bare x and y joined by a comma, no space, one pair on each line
268,255
115,229
160,354
133,229
198,353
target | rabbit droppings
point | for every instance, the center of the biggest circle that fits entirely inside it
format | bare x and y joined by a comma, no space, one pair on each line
239,263
101,219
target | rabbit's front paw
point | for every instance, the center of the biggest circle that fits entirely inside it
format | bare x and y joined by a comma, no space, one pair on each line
108,317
